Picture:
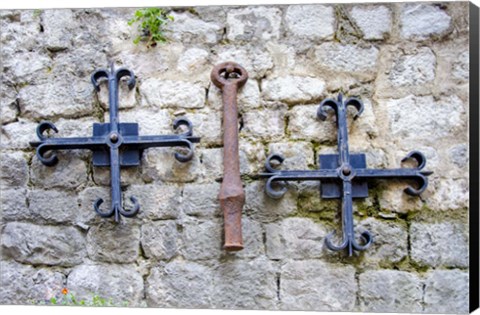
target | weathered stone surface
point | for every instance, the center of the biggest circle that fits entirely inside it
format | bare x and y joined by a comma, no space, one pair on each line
298,155
303,124
59,27
252,157
70,172
172,94
241,284
446,291
86,198
112,242
372,28
449,194
248,97
8,106
200,200
423,119
122,284
390,291
419,21
207,125
16,135
159,164
264,124
439,244
252,234
390,240
159,239
414,69
313,22
180,284
13,204
151,121
19,36
28,67
202,239
187,28
43,245
259,206
126,97
346,58
13,169
458,155
293,90
192,60
461,67
253,24
212,163
54,98
23,284
53,206
156,201
295,238
315,285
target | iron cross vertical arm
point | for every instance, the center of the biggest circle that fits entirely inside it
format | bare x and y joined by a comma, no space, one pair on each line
114,144
345,175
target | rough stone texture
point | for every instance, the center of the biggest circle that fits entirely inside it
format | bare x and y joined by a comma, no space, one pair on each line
174,94
58,28
303,124
253,235
310,21
390,291
13,170
17,135
298,155
419,21
159,239
415,69
265,124
461,67
43,101
112,242
64,211
446,292
70,172
314,285
346,58
240,284
201,200
120,283
441,244
23,284
253,24
297,238
13,204
375,22
192,60
248,97
43,245
180,284
293,90
187,28
390,240
202,239
265,209
156,201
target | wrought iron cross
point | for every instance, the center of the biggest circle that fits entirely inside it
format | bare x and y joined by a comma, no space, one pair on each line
344,175
114,144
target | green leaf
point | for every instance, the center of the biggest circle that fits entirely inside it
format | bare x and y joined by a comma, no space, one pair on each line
53,300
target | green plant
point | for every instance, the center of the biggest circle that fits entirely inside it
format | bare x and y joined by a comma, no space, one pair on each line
151,26
69,299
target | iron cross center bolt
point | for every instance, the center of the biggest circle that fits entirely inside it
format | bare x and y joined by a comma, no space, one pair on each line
346,170
114,137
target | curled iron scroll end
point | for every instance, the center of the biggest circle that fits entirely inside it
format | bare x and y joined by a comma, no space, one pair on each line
48,161
367,239
329,102
358,104
182,121
124,72
180,157
44,126
418,157
422,182
96,76
103,214
275,193
133,212
331,246
268,163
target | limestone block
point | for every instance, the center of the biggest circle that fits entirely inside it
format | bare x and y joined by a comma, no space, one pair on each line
254,24
13,169
293,90
313,22
439,244
446,291
317,286
375,22
171,94
390,291
159,239
43,245
421,20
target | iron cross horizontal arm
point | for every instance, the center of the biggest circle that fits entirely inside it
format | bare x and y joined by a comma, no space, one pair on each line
114,144
344,175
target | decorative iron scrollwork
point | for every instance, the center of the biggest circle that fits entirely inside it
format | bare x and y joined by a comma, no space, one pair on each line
344,175
114,144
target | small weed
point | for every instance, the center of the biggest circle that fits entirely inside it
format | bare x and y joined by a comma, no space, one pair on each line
151,26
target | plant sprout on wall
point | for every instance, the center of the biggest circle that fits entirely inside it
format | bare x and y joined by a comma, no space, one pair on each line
152,25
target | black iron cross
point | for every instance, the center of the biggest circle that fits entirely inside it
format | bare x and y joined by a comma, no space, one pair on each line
114,144
344,175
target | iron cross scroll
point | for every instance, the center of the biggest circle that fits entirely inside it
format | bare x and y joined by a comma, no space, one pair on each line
114,144
344,175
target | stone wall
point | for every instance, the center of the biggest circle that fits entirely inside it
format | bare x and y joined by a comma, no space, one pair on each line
409,63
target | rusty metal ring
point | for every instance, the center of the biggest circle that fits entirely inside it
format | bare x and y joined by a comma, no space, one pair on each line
228,67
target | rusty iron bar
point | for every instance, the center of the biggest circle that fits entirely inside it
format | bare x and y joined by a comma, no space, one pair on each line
229,77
